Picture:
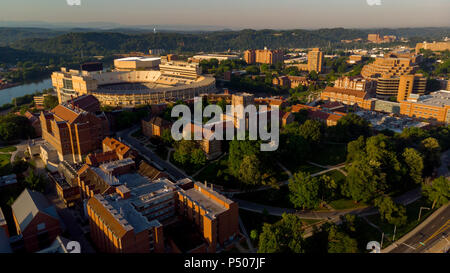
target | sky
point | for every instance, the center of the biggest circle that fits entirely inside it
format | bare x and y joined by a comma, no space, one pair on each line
235,14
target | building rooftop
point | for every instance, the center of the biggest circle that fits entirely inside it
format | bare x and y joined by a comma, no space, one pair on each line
438,98
117,146
350,92
139,59
111,166
212,207
28,205
143,193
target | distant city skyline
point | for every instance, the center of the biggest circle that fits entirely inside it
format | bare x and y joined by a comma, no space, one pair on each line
233,14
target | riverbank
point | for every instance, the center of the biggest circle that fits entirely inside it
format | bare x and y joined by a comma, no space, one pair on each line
9,85
8,95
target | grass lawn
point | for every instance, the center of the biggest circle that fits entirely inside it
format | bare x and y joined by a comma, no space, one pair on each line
187,170
5,164
341,204
412,212
8,149
254,220
329,154
217,173
337,176
5,159
294,168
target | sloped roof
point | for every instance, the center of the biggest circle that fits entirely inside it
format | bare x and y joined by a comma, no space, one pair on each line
159,122
28,205
116,145
66,114
150,171
98,158
85,102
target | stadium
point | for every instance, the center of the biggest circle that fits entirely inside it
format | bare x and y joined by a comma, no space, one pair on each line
135,81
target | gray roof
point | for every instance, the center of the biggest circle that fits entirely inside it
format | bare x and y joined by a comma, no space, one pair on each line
27,206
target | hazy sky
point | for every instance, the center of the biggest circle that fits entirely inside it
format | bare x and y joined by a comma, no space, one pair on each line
255,14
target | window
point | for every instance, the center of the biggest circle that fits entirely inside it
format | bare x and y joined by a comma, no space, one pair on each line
41,226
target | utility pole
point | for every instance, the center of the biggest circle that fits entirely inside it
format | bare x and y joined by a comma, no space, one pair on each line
382,237
393,237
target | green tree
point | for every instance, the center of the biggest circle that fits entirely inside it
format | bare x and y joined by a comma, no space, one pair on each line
431,150
438,191
340,242
356,149
254,234
313,76
249,170
50,102
198,158
328,187
183,151
414,162
304,191
311,131
252,69
394,214
364,180
350,127
167,138
285,236
35,182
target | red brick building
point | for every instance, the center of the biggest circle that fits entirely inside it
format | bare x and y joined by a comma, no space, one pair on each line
36,220
73,131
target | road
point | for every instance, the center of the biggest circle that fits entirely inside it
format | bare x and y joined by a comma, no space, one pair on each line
126,137
425,236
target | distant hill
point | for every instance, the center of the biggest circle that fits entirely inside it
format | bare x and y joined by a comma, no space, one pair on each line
106,42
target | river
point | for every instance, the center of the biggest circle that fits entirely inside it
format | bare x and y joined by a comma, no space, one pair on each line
6,95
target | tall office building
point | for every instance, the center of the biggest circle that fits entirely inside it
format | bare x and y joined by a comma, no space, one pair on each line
395,77
411,84
315,60
263,56
374,38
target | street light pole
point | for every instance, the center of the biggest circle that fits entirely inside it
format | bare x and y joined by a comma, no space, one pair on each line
420,212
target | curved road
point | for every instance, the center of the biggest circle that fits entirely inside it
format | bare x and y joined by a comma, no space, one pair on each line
126,137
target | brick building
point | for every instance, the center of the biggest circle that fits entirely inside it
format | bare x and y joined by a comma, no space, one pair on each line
315,60
434,46
435,106
348,97
154,126
263,56
73,131
36,220
356,83
134,216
